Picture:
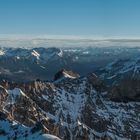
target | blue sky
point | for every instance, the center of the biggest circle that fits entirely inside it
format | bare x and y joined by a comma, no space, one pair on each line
103,18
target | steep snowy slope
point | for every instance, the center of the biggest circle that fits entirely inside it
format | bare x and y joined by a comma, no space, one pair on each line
121,69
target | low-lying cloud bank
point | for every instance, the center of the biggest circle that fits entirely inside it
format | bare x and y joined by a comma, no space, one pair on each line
29,41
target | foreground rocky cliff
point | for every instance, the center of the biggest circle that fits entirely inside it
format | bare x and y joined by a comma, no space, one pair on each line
81,108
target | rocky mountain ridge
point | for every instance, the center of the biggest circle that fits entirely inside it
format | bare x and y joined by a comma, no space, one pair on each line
79,108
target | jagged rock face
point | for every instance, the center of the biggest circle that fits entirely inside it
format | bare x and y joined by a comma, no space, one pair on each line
3,94
74,110
19,106
11,130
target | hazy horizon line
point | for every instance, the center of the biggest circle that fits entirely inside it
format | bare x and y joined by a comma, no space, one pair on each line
64,37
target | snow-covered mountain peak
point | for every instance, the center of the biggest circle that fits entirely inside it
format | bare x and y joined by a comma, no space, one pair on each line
36,54
60,53
2,52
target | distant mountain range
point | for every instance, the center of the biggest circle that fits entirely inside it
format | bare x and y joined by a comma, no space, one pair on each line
70,93
42,63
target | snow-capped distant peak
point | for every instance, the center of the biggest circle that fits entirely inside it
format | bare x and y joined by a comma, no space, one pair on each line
2,52
17,57
36,54
60,53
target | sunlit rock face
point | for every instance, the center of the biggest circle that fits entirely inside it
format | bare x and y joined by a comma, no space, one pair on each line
75,108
